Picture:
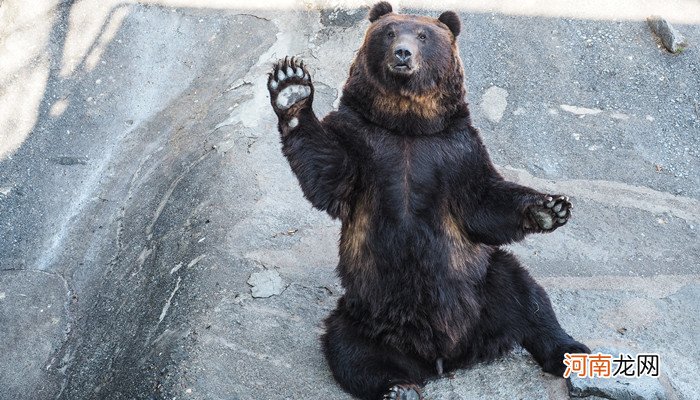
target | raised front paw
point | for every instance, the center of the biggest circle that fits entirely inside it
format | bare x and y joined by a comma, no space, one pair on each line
403,392
550,213
290,87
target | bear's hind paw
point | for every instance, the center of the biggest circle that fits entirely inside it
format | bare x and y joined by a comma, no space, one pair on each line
403,392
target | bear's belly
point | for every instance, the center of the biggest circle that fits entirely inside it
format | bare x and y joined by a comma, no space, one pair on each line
428,315
406,290
432,243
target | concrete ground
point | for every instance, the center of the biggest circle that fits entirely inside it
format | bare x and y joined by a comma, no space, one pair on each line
142,183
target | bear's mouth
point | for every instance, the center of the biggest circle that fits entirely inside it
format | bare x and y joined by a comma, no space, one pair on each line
401,68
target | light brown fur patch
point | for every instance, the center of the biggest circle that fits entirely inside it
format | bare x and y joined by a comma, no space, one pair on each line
426,106
462,251
354,233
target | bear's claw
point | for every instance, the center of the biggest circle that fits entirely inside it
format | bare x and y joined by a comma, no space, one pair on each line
403,392
289,84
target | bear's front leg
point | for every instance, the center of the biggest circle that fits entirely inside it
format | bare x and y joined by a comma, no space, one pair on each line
326,172
505,212
291,91
549,213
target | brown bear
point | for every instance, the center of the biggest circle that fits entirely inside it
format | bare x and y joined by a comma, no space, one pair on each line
423,211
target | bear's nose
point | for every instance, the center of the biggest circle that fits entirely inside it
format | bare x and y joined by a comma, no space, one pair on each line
402,53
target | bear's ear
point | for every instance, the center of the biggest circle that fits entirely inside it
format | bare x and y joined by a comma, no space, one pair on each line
451,19
378,10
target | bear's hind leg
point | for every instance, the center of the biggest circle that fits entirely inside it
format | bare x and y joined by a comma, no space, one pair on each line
547,341
367,370
516,303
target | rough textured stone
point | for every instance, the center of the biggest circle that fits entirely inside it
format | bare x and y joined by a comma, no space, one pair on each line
265,283
672,40
494,103
642,388
497,380
34,322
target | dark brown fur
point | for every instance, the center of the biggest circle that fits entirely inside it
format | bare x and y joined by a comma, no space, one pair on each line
423,211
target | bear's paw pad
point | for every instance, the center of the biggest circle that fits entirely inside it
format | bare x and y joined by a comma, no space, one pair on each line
403,392
291,95
289,83
552,213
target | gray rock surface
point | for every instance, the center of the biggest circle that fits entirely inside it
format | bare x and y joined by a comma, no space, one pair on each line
494,103
642,388
265,284
519,370
672,40
142,183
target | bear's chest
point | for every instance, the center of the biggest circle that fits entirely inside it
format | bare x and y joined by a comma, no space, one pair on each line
413,174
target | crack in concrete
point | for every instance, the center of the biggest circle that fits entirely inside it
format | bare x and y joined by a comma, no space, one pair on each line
254,16
166,307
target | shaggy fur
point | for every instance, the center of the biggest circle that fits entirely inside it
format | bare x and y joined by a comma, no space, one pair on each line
423,211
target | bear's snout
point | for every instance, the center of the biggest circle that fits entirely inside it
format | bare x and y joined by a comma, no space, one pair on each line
403,54
404,57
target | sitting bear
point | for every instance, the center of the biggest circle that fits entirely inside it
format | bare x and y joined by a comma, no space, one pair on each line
423,212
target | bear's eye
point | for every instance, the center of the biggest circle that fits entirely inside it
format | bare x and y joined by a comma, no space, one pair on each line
422,36
391,34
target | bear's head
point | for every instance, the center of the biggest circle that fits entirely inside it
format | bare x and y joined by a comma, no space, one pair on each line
408,73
